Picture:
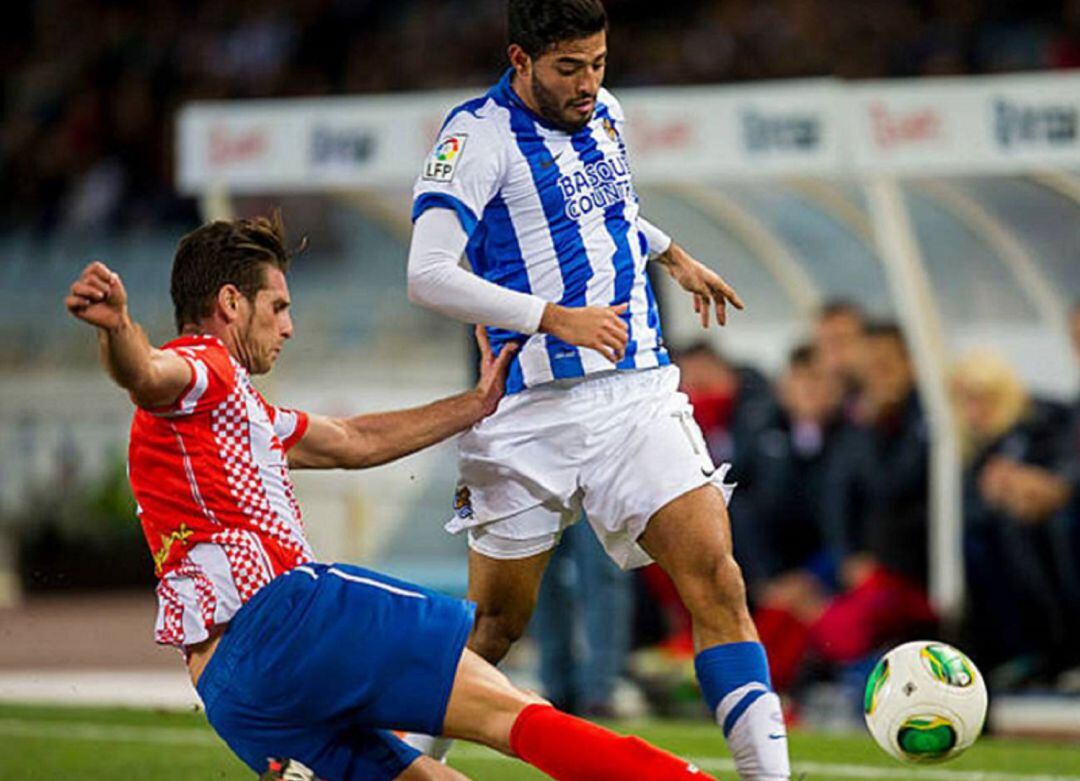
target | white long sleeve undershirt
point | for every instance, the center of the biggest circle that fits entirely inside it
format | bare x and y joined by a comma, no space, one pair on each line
438,281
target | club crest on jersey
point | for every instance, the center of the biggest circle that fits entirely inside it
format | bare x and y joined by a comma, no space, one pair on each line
609,128
161,556
443,160
463,502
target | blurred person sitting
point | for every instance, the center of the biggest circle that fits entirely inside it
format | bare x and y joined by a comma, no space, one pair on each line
1016,487
582,589
838,333
875,511
790,569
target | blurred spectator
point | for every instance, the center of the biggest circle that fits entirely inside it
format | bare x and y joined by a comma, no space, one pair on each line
838,334
781,505
582,625
876,501
1023,601
1065,48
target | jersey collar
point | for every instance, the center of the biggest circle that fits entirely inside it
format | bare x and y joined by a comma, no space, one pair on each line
504,93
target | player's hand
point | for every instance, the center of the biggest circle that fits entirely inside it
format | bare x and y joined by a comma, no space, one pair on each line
492,383
601,328
98,297
711,293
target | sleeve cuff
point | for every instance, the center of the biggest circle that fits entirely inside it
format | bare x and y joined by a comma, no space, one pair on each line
657,241
465,215
535,313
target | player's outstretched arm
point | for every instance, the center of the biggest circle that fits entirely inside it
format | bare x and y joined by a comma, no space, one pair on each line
369,440
709,289
153,378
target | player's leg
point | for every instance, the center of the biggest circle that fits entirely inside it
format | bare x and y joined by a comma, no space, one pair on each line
486,708
505,592
504,583
690,537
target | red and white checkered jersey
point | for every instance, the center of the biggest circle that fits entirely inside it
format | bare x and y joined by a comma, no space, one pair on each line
215,500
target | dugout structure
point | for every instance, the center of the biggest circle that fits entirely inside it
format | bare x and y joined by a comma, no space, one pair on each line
951,204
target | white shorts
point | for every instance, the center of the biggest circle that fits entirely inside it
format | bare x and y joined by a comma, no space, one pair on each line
619,446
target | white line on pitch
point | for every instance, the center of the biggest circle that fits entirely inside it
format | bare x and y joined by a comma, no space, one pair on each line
192,736
116,733
473,752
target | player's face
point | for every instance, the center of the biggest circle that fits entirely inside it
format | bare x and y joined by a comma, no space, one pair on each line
565,81
266,325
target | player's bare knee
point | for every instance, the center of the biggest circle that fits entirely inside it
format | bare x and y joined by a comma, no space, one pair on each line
493,634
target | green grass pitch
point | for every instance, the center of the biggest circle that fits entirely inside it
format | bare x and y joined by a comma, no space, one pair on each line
62,744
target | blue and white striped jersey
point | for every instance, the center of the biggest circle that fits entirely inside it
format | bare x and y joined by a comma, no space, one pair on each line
548,213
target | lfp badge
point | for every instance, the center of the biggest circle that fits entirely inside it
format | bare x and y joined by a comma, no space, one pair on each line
440,166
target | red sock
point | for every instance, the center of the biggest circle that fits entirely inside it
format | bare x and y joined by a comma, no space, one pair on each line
570,749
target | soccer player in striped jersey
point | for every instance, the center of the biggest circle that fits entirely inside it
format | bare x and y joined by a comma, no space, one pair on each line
532,183
292,658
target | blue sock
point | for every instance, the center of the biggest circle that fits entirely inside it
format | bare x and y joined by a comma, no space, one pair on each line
735,682
724,668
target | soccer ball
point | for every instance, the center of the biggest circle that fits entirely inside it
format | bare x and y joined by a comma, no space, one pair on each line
925,702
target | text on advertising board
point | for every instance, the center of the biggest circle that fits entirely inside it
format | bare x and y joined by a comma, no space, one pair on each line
341,146
763,132
1016,124
903,128
236,146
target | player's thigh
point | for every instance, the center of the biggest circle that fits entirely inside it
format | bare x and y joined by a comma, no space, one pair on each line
649,455
690,530
505,590
690,538
484,704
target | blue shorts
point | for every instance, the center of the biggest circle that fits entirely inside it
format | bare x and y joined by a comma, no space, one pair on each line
323,660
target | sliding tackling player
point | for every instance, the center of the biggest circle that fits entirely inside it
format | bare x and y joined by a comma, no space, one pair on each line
294,659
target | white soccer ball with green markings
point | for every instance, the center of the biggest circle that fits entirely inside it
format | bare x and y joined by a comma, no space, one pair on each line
925,702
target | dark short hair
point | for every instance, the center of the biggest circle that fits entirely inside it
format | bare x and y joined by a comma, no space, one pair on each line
537,26
835,307
886,329
221,253
802,355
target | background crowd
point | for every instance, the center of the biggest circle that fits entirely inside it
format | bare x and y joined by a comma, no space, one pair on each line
830,517
89,89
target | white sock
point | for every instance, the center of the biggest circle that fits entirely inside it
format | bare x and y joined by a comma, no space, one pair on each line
436,748
756,735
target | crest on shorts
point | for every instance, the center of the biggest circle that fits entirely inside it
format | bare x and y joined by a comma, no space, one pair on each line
287,770
463,502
